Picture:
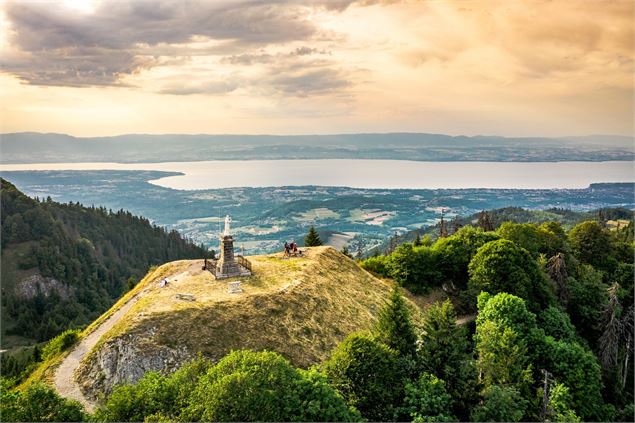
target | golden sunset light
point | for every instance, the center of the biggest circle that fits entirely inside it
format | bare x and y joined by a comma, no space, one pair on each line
513,68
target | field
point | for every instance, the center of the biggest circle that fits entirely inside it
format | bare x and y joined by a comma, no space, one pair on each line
264,218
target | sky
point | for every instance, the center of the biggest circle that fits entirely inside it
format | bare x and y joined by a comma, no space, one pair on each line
511,68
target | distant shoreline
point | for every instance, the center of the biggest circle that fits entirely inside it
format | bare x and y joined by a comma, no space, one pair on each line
364,173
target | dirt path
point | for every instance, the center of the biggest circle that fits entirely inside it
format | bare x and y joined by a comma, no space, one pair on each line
65,383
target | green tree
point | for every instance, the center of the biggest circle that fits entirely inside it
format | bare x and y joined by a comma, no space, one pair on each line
366,372
414,268
444,352
500,404
503,328
377,265
557,323
426,400
346,252
312,239
502,266
456,251
38,403
559,409
263,386
548,239
394,327
153,395
589,298
577,368
591,244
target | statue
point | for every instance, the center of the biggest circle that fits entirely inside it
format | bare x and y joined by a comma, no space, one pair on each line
228,221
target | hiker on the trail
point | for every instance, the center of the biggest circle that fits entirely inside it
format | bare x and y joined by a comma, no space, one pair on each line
286,248
294,246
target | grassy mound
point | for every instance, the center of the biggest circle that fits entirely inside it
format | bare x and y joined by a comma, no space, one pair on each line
299,307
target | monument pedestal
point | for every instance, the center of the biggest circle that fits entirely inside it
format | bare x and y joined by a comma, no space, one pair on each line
227,266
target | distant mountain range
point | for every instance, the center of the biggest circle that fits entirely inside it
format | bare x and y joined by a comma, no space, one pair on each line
31,147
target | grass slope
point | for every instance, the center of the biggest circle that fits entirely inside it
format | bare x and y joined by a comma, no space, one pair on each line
299,307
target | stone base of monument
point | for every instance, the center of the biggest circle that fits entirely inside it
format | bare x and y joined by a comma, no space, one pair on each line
228,265
231,271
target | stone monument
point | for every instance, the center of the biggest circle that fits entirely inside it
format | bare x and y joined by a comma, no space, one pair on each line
227,266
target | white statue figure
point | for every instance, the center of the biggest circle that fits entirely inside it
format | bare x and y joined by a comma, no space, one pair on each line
228,221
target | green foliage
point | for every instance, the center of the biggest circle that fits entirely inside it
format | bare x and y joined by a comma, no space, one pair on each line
60,343
591,244
415,268
263,386
548,239
243,386
426,400
394,327
154,397
502,329
502,266
444,352
456,251
500,404
578,368
312,239
559,409
377,265
38,403
366,373
556,323
588,299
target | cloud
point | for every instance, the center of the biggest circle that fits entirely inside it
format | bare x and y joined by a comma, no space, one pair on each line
211,88
304,82
57,47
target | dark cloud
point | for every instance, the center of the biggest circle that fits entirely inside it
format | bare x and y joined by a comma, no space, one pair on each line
61,48
308,82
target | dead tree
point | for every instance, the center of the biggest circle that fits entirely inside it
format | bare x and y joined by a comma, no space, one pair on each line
443,229
609,342
485,221
557,271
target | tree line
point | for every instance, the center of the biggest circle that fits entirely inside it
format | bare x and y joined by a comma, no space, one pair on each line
95,254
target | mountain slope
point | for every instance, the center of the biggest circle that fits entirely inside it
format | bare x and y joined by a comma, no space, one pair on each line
65,264
300,307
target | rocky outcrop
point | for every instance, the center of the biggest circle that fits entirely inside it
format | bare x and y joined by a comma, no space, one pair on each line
125,359
33,285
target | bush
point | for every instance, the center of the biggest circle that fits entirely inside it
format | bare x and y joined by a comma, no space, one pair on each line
427,400
38,403
500,404
60,343
366,372
377,265
415,268
263,386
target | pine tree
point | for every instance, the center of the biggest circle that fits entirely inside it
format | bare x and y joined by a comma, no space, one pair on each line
346,252
394,327
418,242
312,239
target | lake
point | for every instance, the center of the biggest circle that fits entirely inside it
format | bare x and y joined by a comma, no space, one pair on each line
384,174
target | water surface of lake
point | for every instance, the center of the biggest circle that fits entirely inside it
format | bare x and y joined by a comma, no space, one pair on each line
384,174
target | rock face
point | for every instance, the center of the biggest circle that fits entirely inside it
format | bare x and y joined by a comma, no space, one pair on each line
125,360
36,284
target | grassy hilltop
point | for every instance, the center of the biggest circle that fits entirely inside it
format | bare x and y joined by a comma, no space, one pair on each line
299,307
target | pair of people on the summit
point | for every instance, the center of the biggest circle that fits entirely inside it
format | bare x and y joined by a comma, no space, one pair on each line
291,248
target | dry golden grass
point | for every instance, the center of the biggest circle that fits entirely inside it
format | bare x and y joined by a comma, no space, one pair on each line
300,307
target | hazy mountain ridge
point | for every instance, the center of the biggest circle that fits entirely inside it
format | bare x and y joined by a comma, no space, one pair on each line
31,147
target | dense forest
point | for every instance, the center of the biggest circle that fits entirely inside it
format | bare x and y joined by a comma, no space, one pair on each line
63,265
552,340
